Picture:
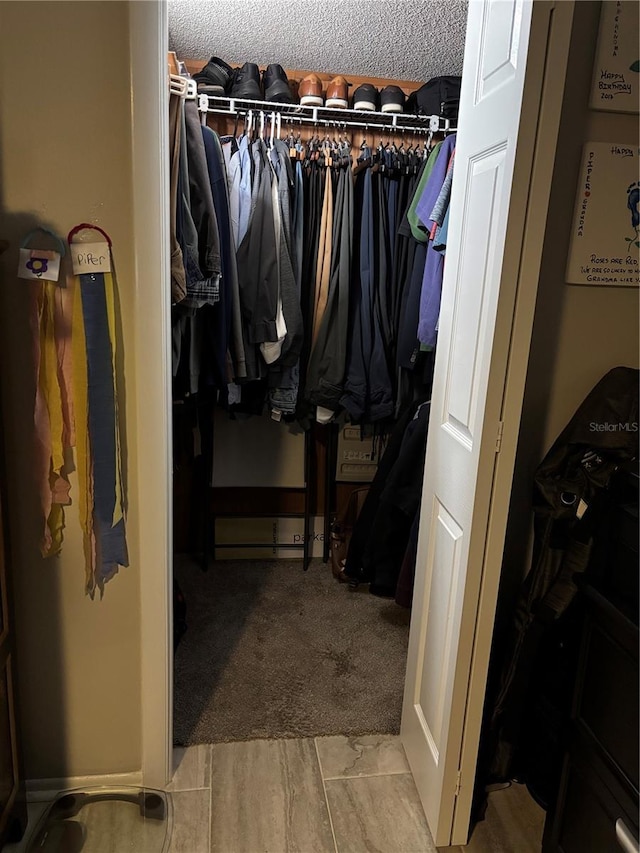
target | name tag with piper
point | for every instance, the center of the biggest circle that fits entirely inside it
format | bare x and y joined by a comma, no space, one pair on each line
90,257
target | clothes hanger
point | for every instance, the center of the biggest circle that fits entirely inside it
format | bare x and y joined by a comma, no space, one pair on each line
364,158
289,140
345,147
177,85
272,131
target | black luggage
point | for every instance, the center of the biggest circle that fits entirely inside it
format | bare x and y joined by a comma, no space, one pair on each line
439,97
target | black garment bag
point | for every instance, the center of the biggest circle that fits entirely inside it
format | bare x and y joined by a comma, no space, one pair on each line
569,486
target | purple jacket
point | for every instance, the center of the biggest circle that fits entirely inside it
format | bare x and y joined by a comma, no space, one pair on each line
434,266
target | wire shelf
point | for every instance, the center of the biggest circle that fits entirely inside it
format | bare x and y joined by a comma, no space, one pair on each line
326,116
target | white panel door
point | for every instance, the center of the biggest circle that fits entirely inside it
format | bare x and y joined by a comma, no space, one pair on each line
464,501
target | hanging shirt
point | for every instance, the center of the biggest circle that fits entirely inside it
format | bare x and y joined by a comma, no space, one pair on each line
436,179
440,239
258,265
245,189
434,265
442,202
413,219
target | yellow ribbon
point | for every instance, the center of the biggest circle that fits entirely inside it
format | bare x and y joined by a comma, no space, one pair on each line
83,449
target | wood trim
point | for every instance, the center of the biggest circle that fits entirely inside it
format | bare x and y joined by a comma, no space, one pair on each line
255,501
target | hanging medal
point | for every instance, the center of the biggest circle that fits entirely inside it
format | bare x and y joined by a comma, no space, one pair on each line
50,322
99,457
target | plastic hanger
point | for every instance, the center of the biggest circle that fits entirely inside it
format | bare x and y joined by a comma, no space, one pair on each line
273,130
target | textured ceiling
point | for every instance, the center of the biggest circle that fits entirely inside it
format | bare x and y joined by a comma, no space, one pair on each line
401,39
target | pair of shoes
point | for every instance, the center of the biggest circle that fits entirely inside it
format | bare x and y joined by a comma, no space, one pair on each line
215,78
310,91
246,84
218,78
276,85
390,99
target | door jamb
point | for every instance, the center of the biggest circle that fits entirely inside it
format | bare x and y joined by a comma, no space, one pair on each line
148,34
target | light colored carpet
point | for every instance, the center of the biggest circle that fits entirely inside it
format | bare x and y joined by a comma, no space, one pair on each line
272,651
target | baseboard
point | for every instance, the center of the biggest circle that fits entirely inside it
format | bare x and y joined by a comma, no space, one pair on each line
43,790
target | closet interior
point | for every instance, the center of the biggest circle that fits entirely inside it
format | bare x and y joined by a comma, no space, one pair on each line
328,321
306,275
304,334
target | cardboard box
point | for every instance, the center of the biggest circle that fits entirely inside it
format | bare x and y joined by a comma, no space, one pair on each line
274,533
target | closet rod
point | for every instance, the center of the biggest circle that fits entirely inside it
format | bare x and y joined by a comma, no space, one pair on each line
327,116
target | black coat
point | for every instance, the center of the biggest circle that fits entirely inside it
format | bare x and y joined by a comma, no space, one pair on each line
568,487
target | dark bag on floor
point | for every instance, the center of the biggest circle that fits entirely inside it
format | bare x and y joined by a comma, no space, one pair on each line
342,529
439,97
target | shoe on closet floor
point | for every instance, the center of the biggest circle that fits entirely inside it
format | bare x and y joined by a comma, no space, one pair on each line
392,99
338,93
214,78
310,91
276,85
246,82
365,97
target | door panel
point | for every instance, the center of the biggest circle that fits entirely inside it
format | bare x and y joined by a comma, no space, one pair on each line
445,537
466,484
478,246
501,36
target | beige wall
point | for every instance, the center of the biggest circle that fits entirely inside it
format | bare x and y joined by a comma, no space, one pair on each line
65,157
579,332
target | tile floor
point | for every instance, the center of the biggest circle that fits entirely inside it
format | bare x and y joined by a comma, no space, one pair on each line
322,795
317,795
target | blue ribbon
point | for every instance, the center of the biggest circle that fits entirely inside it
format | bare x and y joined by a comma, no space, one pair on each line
111,545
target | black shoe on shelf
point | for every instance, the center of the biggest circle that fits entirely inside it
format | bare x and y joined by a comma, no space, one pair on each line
276,85
392,99
215,78
246,82
365,97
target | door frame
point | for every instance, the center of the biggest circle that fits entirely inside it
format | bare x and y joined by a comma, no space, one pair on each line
150,160
148,39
